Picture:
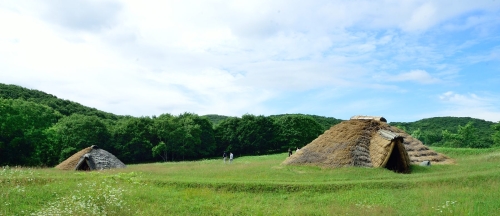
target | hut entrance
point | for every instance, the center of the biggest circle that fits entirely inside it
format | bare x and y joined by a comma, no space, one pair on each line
84,166
396,159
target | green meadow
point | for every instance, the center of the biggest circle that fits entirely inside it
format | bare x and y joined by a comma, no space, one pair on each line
258,185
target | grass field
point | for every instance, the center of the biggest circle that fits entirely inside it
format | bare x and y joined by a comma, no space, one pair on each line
258,185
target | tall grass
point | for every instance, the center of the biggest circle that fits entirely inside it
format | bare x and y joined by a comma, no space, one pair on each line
258,185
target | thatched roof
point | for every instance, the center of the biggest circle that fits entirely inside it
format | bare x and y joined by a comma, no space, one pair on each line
91,158
369,143
418,152
378,118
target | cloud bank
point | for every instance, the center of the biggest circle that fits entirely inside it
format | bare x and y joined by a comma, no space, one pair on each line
330,58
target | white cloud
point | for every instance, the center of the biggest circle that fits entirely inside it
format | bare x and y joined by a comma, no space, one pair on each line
422,18
491,55
469,99
226,57
470,105
418,76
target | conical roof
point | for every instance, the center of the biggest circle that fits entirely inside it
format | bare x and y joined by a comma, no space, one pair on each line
91,158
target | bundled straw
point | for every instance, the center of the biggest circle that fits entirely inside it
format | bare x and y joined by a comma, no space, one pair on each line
367,143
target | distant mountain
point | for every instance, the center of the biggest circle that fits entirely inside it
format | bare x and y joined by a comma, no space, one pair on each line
64,107
446,123
325,122
433,127
215,119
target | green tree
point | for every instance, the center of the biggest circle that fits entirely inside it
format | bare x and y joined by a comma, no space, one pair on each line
133,139
256,135
297,131
163,127
226,134
248,135
431,138
432,129
496,135
187,136
64,107
207,137
22,137
160,150
76,132
325,122
417,134
465,137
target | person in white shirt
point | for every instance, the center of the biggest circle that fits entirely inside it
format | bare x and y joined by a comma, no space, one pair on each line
230,157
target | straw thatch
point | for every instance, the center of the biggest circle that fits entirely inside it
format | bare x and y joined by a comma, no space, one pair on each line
363,117
387,150
91,158
418,152
368,143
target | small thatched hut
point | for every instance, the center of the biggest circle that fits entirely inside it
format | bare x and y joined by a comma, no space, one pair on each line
365,142
91,158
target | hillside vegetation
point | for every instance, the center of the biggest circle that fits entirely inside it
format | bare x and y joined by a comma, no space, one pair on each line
430,131
258,185
65,107
39,129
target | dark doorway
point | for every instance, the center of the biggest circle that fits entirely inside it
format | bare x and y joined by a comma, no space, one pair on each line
84,166
396,162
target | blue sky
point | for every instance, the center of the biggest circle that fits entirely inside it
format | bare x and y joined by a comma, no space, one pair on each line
404,60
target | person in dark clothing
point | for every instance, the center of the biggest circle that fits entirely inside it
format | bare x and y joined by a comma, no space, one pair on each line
224,156
289,152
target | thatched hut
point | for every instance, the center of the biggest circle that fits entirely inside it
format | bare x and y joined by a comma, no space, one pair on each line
91,158
366,143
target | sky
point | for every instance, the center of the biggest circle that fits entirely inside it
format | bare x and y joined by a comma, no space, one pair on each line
403,60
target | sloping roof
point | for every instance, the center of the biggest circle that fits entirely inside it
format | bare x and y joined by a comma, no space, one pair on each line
91,158
369,143
72,161
418,152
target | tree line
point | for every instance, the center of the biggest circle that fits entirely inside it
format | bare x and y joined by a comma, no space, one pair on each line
37,129
34,134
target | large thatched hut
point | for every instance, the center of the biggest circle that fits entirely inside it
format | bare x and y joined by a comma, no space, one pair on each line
367,142
91,158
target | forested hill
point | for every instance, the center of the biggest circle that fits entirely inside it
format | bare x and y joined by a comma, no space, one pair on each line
325,122
446,123
430,130
215,119
64,107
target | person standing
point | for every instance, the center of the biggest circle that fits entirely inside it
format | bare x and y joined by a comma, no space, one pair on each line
230,157
289,152
224,156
